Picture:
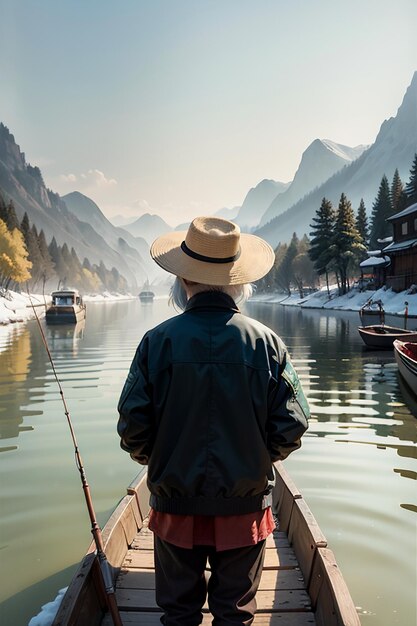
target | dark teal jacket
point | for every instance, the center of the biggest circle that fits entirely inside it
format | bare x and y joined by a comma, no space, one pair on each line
211,400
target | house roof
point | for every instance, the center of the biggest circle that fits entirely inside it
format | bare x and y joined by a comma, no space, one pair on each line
401,245
407,211
373,261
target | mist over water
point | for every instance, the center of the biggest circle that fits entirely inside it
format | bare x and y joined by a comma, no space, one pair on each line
357,468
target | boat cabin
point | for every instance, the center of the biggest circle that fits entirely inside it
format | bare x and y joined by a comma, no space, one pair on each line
403,250
68,297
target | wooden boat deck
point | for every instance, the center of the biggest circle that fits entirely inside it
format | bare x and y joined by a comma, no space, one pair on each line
301,584
282,596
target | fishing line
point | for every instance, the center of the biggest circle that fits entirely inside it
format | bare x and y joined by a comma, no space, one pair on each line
95,528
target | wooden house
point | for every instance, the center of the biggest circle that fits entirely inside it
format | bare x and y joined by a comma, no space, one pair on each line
374,270
402,272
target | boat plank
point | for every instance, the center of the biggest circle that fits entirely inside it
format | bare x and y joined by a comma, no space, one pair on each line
270,579
133,618
329,593
305,536
144,540
285,600
274,558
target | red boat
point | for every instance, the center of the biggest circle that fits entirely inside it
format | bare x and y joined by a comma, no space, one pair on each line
406,357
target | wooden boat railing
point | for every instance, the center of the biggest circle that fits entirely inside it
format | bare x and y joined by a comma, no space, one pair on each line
84,603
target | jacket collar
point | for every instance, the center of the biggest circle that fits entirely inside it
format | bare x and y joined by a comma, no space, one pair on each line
211,300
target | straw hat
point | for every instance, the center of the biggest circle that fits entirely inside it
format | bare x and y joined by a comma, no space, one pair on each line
213,252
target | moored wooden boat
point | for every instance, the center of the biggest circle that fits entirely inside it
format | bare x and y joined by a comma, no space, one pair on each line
67,307
372,312
382,337
406,357
301,584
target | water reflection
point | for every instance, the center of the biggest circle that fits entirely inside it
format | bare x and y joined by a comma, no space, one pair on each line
357,467
65,338
16,366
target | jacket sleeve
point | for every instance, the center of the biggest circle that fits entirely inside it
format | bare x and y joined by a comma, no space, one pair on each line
135,425
288,411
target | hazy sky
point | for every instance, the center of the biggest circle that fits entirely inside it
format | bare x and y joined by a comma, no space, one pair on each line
180,106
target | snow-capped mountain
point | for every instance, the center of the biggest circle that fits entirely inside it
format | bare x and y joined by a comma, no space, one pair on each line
319,161
256,202
394,147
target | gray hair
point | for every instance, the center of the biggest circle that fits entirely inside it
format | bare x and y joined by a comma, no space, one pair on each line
178,295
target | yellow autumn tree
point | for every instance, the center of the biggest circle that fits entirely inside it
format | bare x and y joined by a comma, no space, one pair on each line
14,263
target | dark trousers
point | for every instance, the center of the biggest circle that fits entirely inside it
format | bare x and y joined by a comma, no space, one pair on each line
182,589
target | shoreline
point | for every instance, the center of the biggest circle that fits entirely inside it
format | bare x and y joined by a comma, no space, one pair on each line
393,303
17,308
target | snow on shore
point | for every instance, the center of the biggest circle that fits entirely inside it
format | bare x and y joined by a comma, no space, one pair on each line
393,303
17,307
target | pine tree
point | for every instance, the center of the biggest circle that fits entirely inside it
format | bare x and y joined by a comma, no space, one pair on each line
321,238
8,214
284,274
48,271
362,225
61,269
303,267
3,209
347,243
87,264
398,195
30,237
381,210
411,186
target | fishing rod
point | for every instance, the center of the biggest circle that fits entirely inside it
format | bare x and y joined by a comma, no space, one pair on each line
95,528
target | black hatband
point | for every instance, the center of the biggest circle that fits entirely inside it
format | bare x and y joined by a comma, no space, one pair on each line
208,259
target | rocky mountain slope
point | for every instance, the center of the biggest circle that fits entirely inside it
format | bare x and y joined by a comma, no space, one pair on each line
257,201
394,147
24,184
319,161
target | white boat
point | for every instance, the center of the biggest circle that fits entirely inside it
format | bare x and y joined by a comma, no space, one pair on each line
67,307
406,357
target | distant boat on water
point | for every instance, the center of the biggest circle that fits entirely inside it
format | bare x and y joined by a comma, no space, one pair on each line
67,307
146,295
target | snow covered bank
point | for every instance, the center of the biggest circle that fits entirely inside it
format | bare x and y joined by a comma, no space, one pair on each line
16,307
393,303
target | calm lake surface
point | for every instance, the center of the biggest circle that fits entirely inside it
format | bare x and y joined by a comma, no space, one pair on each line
357,468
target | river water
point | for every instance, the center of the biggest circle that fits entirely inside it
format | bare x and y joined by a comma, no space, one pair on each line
357,468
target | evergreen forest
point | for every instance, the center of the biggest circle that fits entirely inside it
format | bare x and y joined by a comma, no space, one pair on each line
26,257
339,240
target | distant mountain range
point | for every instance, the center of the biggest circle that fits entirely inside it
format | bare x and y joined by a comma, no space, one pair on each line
319,161
149,227
394,147
274,210
83,226
257,201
